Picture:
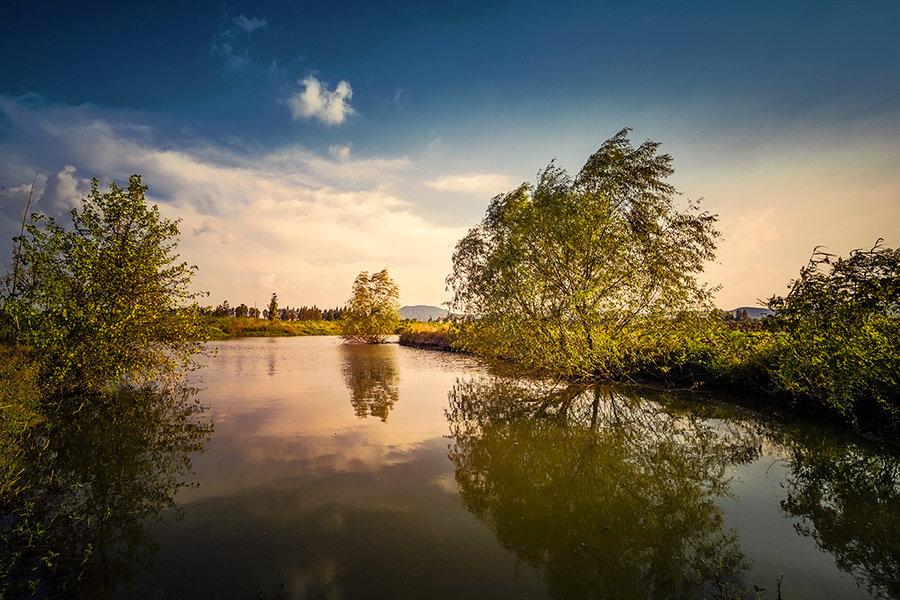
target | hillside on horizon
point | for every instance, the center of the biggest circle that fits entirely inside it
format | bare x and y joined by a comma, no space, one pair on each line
753,312
422,312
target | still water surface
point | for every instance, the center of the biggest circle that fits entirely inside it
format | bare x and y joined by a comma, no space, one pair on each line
339,471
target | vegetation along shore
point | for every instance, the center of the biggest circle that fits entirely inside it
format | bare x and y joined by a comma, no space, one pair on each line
598,277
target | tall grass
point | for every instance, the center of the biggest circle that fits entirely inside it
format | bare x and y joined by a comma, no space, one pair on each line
231,327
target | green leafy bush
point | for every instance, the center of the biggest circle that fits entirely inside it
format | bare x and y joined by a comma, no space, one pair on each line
108,300
841,342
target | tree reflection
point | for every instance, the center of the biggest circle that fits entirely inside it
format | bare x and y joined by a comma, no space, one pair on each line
846,496
371,374
607,495
73,523
843,490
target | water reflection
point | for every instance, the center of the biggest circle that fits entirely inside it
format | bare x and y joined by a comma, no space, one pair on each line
371,375
608,496
846,497
271,350
94,472
842,491
619,493
564,492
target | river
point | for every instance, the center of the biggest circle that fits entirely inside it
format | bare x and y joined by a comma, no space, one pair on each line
342,471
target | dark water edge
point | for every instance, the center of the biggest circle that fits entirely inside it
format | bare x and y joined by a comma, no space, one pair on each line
384,471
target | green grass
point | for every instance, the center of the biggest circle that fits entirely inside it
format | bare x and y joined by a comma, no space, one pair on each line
230,327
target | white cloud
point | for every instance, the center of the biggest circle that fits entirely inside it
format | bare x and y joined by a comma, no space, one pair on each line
215,229
473,183
316,101
290,221
65,190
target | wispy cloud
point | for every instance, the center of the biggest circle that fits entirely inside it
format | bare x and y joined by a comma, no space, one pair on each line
315,101
250,24
339,152
752,232
232,41
473,183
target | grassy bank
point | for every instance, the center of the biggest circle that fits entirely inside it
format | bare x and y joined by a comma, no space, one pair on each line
19,410
852,377
221,328
431,336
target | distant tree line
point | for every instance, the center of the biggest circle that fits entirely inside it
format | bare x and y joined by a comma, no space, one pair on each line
287,313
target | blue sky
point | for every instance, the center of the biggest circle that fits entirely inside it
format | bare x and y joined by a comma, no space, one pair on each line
303,142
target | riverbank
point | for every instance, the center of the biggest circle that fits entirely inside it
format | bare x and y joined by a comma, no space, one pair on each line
221,328
748,358
429,336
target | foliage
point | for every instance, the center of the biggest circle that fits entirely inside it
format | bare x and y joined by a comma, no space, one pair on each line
286,313
19,412
705,347
565,275
272,311
841,324
108,300
436,336
229,327
372,313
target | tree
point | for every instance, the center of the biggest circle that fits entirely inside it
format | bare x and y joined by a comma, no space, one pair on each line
272,312
373,311
570,275
223,310
241,310
107,301
841,333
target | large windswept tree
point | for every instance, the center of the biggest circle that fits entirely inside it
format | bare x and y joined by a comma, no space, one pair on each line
566,274
372,313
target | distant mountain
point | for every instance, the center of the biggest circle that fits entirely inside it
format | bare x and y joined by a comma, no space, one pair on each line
753,312
422,312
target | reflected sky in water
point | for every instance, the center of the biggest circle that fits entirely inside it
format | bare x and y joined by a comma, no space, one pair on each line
385,471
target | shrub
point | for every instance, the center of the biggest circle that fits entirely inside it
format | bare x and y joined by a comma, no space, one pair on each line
841,342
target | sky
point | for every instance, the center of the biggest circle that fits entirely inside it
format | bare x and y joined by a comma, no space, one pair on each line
302,142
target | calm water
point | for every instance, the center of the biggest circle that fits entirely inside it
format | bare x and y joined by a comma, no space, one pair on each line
341,471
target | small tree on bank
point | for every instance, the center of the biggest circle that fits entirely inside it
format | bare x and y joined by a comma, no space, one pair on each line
373,311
